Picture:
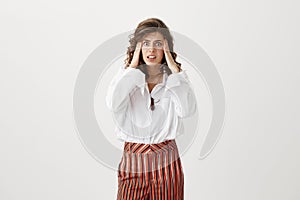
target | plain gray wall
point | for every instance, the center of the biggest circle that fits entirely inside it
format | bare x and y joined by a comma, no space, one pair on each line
254,45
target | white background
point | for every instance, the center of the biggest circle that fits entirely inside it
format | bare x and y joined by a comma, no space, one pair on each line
254,45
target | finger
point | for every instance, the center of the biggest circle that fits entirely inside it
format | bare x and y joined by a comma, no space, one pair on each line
166,45
139,45
167,50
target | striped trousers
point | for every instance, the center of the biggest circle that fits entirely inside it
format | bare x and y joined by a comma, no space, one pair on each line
150,172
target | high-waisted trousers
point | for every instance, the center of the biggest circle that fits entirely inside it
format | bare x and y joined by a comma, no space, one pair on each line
150,172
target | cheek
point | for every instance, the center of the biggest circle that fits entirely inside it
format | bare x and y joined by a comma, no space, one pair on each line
160,54
144,53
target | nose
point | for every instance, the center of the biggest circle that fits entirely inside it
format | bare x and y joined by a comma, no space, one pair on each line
151,47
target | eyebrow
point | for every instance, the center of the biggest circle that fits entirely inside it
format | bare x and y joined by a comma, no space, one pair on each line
154,40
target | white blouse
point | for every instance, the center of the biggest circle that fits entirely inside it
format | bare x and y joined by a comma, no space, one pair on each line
129,100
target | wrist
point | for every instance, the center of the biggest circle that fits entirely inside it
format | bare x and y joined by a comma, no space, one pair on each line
132,65
175,69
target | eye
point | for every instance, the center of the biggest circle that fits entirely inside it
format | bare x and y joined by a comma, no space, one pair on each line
145,43
158,44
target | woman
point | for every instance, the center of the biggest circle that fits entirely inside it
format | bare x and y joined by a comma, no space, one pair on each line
148,98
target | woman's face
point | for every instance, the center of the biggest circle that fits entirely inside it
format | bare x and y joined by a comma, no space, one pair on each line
153,48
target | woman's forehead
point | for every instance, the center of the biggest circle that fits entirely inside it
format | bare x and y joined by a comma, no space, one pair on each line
153,36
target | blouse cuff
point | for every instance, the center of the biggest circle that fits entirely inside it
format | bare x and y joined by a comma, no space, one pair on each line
174,79
135,76
138,76
122,85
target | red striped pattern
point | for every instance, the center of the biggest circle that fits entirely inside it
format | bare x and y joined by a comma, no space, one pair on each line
150,172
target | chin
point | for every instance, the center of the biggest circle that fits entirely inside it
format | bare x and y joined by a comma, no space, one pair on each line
153,64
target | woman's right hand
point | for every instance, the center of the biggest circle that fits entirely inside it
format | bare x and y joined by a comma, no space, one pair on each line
136,55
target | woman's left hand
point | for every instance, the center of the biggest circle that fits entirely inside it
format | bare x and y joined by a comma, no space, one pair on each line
170,61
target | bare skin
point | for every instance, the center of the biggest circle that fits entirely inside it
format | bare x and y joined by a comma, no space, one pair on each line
155,46
154,73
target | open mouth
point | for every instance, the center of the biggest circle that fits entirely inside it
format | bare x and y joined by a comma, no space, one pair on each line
151,57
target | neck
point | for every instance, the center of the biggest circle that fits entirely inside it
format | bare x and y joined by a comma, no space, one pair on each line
153,70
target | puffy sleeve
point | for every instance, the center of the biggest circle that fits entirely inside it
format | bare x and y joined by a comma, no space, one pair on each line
120,87
181,93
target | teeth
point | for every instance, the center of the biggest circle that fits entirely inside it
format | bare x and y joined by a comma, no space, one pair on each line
151,56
